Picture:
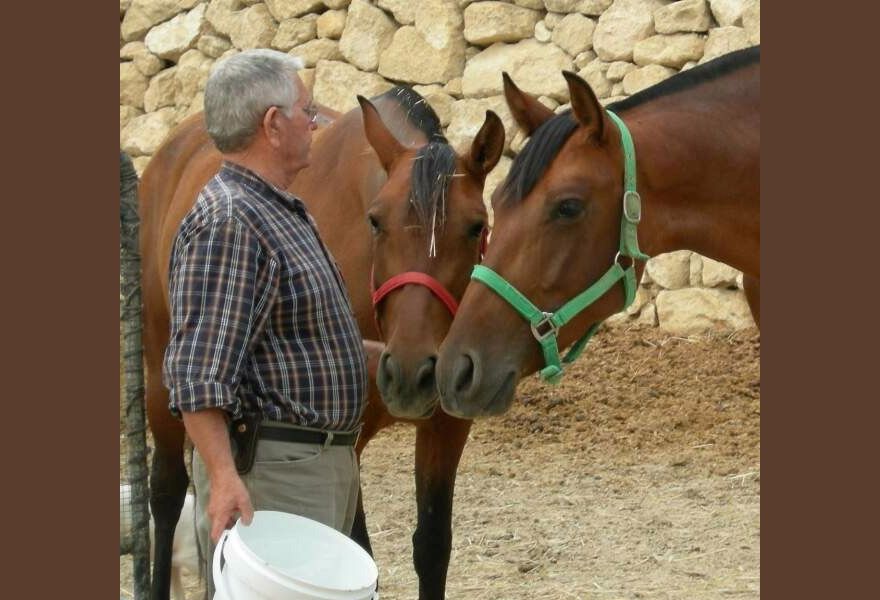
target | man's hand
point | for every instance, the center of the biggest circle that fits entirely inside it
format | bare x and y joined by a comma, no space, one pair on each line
229,497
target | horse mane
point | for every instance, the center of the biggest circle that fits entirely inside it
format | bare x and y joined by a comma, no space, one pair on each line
418,112
693,77
546,141
434,164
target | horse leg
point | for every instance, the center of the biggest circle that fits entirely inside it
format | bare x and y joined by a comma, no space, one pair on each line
376,417
752,288
439,444
168,483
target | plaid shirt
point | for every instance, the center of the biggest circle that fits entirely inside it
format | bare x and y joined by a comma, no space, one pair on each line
260,318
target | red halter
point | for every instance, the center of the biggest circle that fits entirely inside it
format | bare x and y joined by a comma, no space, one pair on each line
418,278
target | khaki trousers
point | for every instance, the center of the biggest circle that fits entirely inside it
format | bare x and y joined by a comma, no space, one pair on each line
310,480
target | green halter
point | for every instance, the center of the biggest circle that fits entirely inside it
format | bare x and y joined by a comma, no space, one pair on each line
545,325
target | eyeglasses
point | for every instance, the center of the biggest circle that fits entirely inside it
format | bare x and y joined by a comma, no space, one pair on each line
312,112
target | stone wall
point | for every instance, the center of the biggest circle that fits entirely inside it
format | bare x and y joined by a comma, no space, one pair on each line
453,53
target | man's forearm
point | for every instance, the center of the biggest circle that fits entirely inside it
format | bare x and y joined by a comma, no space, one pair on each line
208,431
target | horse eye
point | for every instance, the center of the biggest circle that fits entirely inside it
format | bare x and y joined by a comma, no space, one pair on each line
569,208
374,224
476,230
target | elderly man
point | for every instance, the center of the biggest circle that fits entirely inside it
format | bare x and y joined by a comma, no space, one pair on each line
264,345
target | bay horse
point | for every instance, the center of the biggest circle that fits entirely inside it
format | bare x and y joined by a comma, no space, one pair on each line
364,160
688,149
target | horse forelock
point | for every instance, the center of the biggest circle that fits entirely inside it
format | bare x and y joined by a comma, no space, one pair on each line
529,165
432,170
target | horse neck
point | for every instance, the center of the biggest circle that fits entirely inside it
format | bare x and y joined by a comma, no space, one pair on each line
697,153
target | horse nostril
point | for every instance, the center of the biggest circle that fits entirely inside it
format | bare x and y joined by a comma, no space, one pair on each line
463,373
425,381
388,373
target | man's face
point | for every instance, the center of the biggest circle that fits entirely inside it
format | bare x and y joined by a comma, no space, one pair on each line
296,131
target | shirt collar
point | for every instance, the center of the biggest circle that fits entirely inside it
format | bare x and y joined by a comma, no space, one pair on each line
237,171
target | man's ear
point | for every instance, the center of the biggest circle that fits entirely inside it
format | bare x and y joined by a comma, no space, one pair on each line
271,126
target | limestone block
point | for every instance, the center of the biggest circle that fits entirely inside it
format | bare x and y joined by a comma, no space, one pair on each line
542,34
317,50
696,270
337,84
143,135
621,26
552,20
692,311
644,77
493,180
331,24
728,12
584,58
616,90
171,39
718,274
723,40
618,70
594,74
212,45
335,4
751,20
126,114
282,10
253,27
293,32
669,50
488,22
670,270
468,115
453,87
404,11
592,8
143,15
536,68
368,31
534,4
192,73
307,76
162,90
412,58
132,85
574,34
222,15
683,16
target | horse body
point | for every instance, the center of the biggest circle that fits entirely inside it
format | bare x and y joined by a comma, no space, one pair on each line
344,177
558,215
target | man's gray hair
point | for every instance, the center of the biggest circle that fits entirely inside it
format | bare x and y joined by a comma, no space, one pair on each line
240,90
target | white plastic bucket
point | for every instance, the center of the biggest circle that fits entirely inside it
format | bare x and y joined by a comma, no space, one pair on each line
281,556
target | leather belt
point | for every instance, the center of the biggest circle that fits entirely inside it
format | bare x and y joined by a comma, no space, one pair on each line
307,436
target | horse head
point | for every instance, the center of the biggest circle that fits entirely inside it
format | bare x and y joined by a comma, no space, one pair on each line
556,231
428,223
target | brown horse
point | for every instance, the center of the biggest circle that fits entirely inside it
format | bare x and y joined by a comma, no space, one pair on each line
346,178
560,222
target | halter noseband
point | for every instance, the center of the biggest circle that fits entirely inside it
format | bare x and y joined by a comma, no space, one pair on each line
419,278
545,325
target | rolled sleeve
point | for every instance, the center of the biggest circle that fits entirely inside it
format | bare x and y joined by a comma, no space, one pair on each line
218,274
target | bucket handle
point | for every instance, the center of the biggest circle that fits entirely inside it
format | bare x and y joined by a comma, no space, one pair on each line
218,557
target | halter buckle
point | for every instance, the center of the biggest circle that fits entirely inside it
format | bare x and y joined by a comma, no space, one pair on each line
632,206
545,322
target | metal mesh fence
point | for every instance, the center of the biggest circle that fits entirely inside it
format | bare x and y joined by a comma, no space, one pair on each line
134,536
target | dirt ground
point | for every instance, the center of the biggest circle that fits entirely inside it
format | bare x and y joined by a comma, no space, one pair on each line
637,477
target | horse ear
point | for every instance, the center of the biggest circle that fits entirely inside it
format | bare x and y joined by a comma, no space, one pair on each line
383,142
585,106
528,113
487,147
